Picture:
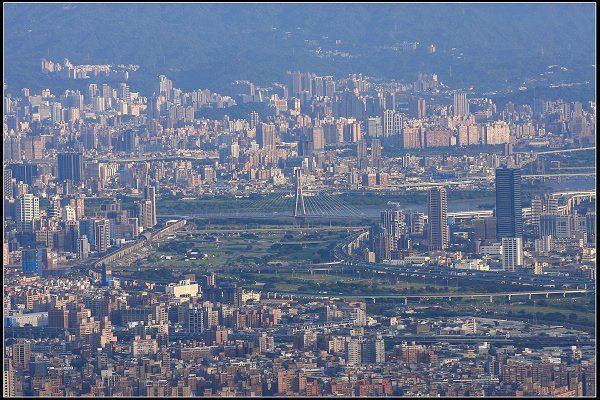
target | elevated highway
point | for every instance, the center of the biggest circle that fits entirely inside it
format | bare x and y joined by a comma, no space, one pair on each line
406,297
567,175
556,151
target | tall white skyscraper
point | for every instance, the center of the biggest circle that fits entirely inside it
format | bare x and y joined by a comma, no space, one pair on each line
461,105
512,253
254,119
392,222
27,209
354,351
536,212
392,123
144,213
552,206
150,194
235,150
102,235
83,247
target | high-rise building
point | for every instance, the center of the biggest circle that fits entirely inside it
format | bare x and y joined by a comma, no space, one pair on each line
438,136
589,381
417,223
317,138
8,387
27,209
413,138
124,93
512,253
234,150
233,295
536,212
165,86
24,172
68,213
354,351
54,207
80,206
34,261
102,235
70,166
416,108
563,227
33,148
373,350
382,243
193,317
294,82
83,247
92,92
392,123
509,213
329,85
485,229
361,154
590,227
86,228
376,160
150,195
461,104
144,213
11,148
548,224
438,219
552,205
7,188
211,279
265,136
106,91
71,236
58,318
374,127
21,353
254,119
393,223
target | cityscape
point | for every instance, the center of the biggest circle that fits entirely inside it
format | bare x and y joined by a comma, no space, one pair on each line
258,200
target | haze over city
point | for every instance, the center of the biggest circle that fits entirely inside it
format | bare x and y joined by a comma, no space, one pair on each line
328,199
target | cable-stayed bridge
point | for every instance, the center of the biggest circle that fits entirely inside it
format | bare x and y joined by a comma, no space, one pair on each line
278,204
306,201
299,202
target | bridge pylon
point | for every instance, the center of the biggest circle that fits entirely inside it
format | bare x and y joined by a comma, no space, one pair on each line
299,208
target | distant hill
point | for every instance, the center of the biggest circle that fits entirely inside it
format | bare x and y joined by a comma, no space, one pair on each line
208,45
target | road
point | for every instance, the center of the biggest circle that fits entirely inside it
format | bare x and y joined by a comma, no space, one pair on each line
559,175
556,151
519,341
483,276
289,229
434,295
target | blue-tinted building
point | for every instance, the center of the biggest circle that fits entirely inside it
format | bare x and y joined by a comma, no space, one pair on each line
33,261
509,212
70,166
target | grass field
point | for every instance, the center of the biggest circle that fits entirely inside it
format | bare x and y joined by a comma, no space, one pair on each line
554,307
235,249
332,283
